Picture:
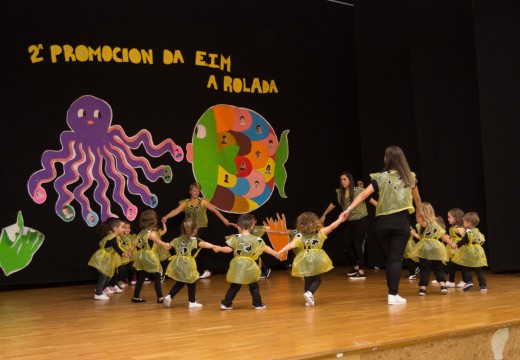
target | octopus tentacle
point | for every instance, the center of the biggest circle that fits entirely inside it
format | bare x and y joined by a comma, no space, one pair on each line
133,161
49,159
144,137
101,187
68,177
134,186
119,184
85,171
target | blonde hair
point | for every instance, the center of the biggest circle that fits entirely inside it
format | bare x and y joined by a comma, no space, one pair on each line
441,222
189,227
396,160
429,212
472,218
308,222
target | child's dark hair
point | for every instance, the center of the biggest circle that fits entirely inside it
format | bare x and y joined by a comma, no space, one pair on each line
246,221
107,226
189,227
457,214
148,219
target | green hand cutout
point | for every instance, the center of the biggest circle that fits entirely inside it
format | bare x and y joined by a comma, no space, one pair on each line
18,244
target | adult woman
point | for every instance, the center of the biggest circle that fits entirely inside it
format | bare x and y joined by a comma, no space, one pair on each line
356,225
396,187
195,208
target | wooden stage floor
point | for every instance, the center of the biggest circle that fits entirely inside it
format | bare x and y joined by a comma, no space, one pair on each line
349,317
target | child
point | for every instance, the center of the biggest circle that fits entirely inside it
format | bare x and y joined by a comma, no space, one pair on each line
243,268
311,261
129,244
108,257
182,266
147,261
456,232
471,255
413,267
429,251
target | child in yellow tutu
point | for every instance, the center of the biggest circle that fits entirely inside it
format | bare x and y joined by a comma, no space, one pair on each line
182,267
456,231
243,268
311,260
471,255
429,251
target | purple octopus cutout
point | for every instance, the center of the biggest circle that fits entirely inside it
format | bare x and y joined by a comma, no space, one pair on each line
95,151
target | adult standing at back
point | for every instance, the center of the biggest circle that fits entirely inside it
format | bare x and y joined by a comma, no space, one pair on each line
356,225
195,207
397,190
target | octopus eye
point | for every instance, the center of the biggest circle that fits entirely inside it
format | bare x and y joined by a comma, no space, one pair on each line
97,114
81,113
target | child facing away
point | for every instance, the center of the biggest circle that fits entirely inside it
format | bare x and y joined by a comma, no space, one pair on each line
182,267
413,266
243,268
147,262
311,260
471,255
108,257
429,251
456,232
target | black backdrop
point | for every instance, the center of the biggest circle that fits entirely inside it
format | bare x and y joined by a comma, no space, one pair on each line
352,80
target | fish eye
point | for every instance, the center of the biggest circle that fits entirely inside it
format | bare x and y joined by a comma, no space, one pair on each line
97,114
81,113
200,131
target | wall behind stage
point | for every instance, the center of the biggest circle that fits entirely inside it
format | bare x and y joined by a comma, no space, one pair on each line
303,50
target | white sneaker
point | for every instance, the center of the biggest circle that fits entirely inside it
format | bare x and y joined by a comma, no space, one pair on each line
307,305
206,274
121,285
450,284
460,285
309,298
101,297
435,282
224,307
115,289
194,305
108,290
261,307
167,301
396,300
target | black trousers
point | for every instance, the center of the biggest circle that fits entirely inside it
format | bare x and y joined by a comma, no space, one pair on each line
233,290
179,285
393,242
155,277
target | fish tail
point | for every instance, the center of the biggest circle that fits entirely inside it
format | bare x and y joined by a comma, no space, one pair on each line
282,154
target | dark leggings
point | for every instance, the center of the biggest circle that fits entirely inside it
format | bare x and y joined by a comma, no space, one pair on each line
312,283
468,278
430,265
155,277
126,272
452,267
354,237
102,283
179,285
235,288
393,243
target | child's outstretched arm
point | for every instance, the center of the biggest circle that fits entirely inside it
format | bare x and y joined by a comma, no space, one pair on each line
164,228
270,251
224,249
207,245
341,218
155,238
289,246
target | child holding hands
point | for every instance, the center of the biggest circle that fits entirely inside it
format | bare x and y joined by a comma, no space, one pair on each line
243,268
311,260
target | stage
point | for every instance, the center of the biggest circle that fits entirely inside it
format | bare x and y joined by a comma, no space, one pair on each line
350,320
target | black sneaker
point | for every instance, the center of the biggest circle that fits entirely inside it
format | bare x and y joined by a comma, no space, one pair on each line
265,274
163,277
444,290
352,273
422,292
467,287
358,276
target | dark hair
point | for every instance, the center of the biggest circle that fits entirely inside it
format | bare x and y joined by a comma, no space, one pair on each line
107,226
148,219
246,221
350,186
396,160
